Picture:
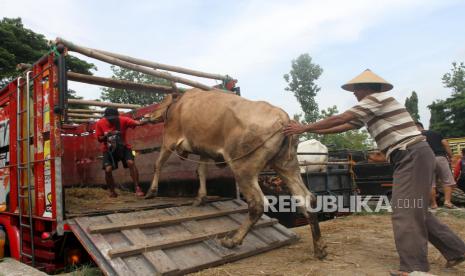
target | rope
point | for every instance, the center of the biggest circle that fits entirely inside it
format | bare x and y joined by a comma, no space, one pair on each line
231,160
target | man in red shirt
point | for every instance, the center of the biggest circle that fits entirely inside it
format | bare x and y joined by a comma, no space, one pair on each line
111,132
459,172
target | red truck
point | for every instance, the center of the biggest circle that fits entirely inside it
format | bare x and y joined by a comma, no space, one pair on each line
42,156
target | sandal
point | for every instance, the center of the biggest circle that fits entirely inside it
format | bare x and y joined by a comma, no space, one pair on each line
139,192
398,273
403,273
454,262
450,206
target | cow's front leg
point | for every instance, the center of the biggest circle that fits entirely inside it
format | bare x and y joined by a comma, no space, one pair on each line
202,174
254,197
162,157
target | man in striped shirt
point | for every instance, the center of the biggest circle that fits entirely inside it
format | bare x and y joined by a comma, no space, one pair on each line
398,138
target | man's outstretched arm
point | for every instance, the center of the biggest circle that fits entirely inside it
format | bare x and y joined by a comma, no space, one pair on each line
333,124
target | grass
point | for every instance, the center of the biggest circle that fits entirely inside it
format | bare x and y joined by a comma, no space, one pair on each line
456,213
86,270
365,213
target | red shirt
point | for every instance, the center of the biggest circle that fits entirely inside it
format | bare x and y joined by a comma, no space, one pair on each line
103,125
457,169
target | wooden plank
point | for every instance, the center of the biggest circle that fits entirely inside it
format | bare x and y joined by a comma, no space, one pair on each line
269,238
180,248
283,230
189,255
239,219
179,241
163,221
157,258
241,255
104,247
93,251
212,244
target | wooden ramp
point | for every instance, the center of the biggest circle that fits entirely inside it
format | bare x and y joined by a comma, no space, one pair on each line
174,241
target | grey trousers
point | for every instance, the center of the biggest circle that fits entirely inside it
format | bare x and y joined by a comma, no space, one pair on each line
412,223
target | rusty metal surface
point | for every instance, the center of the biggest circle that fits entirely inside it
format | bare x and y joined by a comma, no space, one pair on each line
177,247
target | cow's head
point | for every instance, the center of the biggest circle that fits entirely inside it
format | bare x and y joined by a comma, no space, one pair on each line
158,115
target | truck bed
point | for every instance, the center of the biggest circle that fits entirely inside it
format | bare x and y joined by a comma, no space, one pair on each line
95,201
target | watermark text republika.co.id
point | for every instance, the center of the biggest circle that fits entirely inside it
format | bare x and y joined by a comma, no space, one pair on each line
339,203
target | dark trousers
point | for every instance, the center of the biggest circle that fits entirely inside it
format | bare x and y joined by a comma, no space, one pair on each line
412,223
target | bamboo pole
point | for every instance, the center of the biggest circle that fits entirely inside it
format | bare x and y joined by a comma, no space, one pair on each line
115,61
23,66
81,115
72,120
97,103
120,84
304,163
84,110
156,65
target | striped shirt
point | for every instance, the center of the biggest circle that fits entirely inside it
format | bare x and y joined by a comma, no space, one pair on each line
388,122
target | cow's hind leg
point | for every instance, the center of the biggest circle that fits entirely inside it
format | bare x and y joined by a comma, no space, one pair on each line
202,173
162,157
248,185
289,172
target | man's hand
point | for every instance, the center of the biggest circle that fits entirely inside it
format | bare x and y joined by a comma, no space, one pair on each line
109,133
144,121
294,128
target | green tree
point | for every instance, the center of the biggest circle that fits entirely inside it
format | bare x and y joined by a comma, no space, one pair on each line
21,45
448,116
352,139
411,104
455,79
301,81
129,96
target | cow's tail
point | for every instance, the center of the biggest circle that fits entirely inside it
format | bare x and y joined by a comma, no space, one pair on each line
288,148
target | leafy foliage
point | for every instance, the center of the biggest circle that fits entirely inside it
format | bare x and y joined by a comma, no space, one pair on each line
21,45
456,78
448,116
352,139
411,104
129,96
301,81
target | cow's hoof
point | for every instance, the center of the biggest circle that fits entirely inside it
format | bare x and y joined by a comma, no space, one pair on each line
228,243
198,201
320,250
151,194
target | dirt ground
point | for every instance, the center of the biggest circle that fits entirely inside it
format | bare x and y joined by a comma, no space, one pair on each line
357,245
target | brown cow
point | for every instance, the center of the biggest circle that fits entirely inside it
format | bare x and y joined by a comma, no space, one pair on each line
246,135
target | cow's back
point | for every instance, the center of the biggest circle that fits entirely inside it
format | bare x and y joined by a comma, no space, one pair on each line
218,120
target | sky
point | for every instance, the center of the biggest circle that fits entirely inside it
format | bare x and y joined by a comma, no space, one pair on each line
410,43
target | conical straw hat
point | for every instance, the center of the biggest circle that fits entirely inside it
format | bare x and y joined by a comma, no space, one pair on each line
368,77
